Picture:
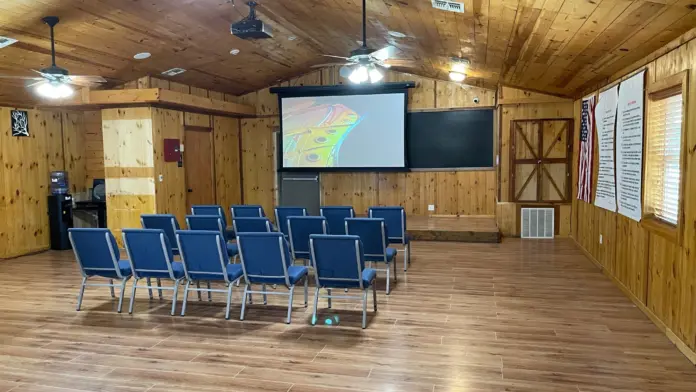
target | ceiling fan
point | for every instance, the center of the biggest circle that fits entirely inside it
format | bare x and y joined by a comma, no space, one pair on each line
363,63
54,81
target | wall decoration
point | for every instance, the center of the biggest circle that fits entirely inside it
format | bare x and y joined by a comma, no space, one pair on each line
20,123
629,146
605,116
586,150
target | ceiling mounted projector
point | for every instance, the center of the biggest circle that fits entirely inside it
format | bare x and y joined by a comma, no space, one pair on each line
251,27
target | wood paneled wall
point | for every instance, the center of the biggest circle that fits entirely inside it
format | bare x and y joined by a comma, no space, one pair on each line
452,193
227,161
659,275
55,143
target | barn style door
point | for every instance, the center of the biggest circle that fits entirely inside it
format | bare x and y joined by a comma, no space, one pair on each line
541,160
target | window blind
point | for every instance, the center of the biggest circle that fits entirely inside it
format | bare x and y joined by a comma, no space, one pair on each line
663,156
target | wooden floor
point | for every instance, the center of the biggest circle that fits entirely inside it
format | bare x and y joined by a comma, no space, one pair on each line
516,316
454,228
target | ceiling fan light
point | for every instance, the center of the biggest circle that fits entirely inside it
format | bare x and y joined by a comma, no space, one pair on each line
457,76
359,75
375,75
54,90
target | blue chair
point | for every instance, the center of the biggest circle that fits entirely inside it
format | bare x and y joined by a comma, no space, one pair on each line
252,225
335,216
395,219
283,213
373,234
339,263
266,260
165,222
97,255
214,210
151,256
203,257
299,230
211,223
247,211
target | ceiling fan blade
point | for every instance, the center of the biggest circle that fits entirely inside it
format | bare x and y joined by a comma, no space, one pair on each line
30,84
384,53
20,77
336,57
328,65
87,79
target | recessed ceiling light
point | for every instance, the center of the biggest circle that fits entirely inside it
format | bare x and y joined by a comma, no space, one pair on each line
457,76
234,52
292,38
142,56
396,34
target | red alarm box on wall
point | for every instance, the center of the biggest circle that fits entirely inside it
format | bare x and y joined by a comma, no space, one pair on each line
172,150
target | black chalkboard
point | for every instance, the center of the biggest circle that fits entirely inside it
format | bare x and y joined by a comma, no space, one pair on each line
450,139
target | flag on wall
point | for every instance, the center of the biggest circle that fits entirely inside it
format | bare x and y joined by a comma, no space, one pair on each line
586,150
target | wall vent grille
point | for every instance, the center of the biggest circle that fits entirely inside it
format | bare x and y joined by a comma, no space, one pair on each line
447,5
537,223
173,72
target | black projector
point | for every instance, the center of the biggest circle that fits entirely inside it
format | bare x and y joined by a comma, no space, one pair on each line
251,29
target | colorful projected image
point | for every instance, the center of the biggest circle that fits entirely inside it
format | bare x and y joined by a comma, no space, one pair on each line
313,132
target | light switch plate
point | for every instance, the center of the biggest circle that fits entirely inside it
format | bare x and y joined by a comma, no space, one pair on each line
431,207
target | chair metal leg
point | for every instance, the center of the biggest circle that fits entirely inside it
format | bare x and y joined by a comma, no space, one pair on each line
159,288
265,296
229,299
328,291
387,278
210,293
406,263
244,300
408,252
198,286
149,289
306,289
120,296
81,294
176,293
316,305
364,304
292,291
374,294
186,291
395,279
111,282
132,300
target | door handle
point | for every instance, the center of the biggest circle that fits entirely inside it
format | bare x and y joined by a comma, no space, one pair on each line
189,190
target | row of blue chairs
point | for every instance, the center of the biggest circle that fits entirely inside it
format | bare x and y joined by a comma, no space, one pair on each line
265,259
394,217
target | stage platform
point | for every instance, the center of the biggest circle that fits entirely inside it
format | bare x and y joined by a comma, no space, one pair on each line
453,228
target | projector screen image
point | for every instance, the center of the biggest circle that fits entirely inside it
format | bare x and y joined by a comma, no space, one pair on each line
344,131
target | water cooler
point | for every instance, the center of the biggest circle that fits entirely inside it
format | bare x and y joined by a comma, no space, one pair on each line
60,211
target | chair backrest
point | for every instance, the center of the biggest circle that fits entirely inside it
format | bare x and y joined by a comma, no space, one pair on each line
394,219
299,230
264,255
149,252
283,213
203,254
166,222
372,233
247,211
338,260
96,251
205,222
335,216
211,209
251,225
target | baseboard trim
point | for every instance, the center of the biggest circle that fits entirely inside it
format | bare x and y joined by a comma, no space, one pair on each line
683,347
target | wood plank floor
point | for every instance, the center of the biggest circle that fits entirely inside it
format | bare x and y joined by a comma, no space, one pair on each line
516,316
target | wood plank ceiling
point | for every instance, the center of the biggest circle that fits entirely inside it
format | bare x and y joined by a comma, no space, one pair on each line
554,46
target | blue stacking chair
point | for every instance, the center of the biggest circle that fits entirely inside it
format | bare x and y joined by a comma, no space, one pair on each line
214,210
203,257
169,224
97,255
299,230
265,259
252,225
283,213
247,211
373,234
335,217
395,219
339,263
211,223
151,256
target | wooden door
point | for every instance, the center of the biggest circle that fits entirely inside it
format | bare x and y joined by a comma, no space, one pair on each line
198,163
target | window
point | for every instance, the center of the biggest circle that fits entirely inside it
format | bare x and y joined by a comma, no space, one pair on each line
664,153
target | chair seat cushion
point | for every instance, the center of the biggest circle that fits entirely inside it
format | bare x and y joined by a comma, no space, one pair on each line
368,275
232,250
234,271
391,253
123,265
177,269
295,274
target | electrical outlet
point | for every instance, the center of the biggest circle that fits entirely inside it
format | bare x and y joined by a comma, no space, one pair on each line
601,239
431,207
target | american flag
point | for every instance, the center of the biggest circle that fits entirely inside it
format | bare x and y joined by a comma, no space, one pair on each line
586,150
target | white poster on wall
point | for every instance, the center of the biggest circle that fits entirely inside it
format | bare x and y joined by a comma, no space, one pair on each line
629,146
605,118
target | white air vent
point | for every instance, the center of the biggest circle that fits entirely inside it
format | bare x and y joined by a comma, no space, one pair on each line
173,72
5,41
446,5
537,223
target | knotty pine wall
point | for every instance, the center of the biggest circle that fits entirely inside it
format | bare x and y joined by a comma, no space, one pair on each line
452,193
57,141
657,274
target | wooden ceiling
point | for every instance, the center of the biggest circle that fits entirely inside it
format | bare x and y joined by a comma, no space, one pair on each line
554,46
